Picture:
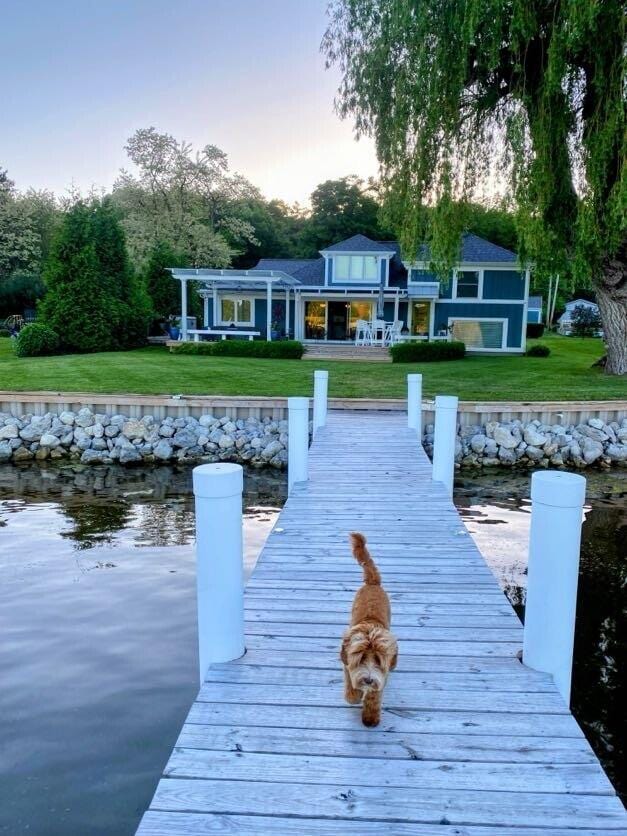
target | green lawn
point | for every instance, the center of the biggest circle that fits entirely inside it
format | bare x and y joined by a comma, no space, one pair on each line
566,374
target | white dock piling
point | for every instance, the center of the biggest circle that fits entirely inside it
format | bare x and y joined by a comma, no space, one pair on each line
321,387
414,403
553,570
444,441
298,444
219,563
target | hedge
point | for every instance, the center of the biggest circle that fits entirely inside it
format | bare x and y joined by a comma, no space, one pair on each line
279,349
538,351
423,352
535,329
36,340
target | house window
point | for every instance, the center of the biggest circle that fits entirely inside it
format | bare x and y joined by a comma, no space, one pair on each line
315,320
467,284
358,310
236,310
355,268
420,312
486,334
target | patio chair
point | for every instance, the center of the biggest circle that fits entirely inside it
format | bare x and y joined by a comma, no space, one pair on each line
393,332
363,332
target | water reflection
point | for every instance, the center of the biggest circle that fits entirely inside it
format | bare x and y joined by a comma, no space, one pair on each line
99,651
496,511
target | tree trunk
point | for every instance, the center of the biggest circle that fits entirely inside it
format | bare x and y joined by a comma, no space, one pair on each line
611,293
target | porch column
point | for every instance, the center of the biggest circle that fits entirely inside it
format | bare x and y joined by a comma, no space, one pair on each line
205,311
184,309
269,311
287,312
396,307
215,304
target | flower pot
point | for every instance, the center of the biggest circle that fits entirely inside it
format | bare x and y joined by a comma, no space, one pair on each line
174,332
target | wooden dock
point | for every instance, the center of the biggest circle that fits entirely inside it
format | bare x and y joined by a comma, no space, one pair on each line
471,742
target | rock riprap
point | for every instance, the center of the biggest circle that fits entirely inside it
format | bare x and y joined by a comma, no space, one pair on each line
95,438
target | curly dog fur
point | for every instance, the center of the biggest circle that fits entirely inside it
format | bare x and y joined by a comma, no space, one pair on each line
369,650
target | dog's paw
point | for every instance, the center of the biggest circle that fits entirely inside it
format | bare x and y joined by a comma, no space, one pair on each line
370,720
353,697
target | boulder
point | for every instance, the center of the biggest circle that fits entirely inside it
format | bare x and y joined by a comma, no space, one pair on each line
22,454
226,442
129,454
184,438
49,440
84,417
163,450
166,430
591,450
92,457
534,454
533,437
505,438
5,451
596,423
67,418
592,432
133,429
617,452
9,431
478,443
507,456
271,450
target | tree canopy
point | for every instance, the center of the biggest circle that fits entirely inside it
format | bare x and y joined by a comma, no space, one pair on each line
526,95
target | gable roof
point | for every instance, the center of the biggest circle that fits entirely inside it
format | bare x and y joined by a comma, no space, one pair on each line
476,250
360,244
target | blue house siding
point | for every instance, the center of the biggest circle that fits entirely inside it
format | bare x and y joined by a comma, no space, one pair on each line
329,270
533,315
503,284
483,310
383,266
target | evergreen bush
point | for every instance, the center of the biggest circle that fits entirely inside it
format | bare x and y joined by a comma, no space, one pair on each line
36,340
535,329
279,349
423,352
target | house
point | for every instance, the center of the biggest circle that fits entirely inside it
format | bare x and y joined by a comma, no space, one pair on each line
483,302
564,323
534,309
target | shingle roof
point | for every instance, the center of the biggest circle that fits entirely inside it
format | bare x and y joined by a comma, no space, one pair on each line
535,302
360,244
309,271
475,250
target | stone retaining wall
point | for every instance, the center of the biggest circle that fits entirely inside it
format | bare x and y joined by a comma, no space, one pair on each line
97,438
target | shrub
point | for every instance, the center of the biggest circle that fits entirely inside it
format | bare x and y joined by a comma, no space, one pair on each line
538,351
535,329
423,352
279,349
36,340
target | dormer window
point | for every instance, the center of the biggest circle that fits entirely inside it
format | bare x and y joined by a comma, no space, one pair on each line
467,286
355,268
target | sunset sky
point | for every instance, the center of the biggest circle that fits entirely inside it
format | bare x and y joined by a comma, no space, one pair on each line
80,76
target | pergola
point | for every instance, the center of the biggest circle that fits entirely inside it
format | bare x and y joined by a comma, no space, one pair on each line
234,281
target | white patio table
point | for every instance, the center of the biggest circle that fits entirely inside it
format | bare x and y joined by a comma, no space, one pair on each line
222,332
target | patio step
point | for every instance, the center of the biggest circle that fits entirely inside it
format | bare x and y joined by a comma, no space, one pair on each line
348,351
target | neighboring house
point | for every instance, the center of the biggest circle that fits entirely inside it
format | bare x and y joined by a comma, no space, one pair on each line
534,309
564,323
483,303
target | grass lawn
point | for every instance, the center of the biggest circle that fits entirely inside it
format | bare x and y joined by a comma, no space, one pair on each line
565,375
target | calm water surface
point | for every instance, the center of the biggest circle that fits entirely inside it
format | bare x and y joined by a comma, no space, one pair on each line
97,618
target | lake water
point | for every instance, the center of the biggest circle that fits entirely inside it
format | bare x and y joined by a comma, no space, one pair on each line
97,618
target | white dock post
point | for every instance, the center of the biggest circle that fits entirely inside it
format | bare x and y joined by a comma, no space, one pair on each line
444,442
321,388
552,573
219,563
298,444
414,404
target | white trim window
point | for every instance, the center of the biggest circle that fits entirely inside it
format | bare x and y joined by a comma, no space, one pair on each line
467,284
355,268
486,334
237,310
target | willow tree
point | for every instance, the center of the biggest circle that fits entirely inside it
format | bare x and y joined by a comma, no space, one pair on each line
525,95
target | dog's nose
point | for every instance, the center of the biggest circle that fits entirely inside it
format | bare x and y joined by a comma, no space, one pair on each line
368,680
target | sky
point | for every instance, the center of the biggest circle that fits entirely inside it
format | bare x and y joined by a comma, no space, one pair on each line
80,76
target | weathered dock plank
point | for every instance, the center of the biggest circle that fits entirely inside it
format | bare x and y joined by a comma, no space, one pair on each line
471,742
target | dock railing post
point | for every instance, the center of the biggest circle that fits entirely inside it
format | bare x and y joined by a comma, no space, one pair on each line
219,563
298,441
444,441
321,387
554,540
414,404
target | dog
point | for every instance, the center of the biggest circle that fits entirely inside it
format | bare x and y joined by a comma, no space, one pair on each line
369,650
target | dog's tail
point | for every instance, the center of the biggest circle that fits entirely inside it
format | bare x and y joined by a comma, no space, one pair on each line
362,556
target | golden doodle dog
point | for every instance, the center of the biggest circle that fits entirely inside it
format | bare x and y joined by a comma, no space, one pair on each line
369,650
